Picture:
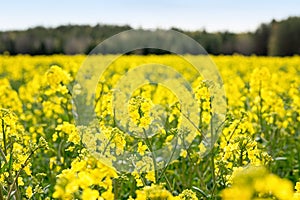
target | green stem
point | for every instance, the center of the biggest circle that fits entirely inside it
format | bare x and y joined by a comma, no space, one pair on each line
3,155
168,182
116,193
144,183
213,171
152,153
260,107
1,192
18,173
212,155
241,157
195,126
4,137
168,163
108,143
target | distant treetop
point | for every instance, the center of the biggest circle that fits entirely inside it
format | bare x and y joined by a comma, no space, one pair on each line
277,38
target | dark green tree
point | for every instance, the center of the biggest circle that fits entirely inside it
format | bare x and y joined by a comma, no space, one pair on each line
285,37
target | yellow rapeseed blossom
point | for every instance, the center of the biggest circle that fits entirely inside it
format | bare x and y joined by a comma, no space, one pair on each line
29,192
153,192
261,129
141,148
85,173
187,195
249,182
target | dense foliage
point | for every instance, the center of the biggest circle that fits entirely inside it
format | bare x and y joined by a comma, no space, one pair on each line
274,38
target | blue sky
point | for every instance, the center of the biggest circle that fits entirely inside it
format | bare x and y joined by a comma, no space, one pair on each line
213,15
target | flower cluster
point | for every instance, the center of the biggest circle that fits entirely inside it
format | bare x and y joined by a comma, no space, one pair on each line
257,183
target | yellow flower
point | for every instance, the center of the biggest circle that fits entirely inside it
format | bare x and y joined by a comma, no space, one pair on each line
153,192
252,180
237,193
29,192
20,181
151,176
89,194
70,130
183,153
297,187
85,172
137,178
141,148
169,138
187,195
56,76
202,147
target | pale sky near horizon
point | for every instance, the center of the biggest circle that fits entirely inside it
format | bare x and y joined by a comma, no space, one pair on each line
213,15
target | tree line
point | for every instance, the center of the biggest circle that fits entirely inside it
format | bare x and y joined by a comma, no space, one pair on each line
277,38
